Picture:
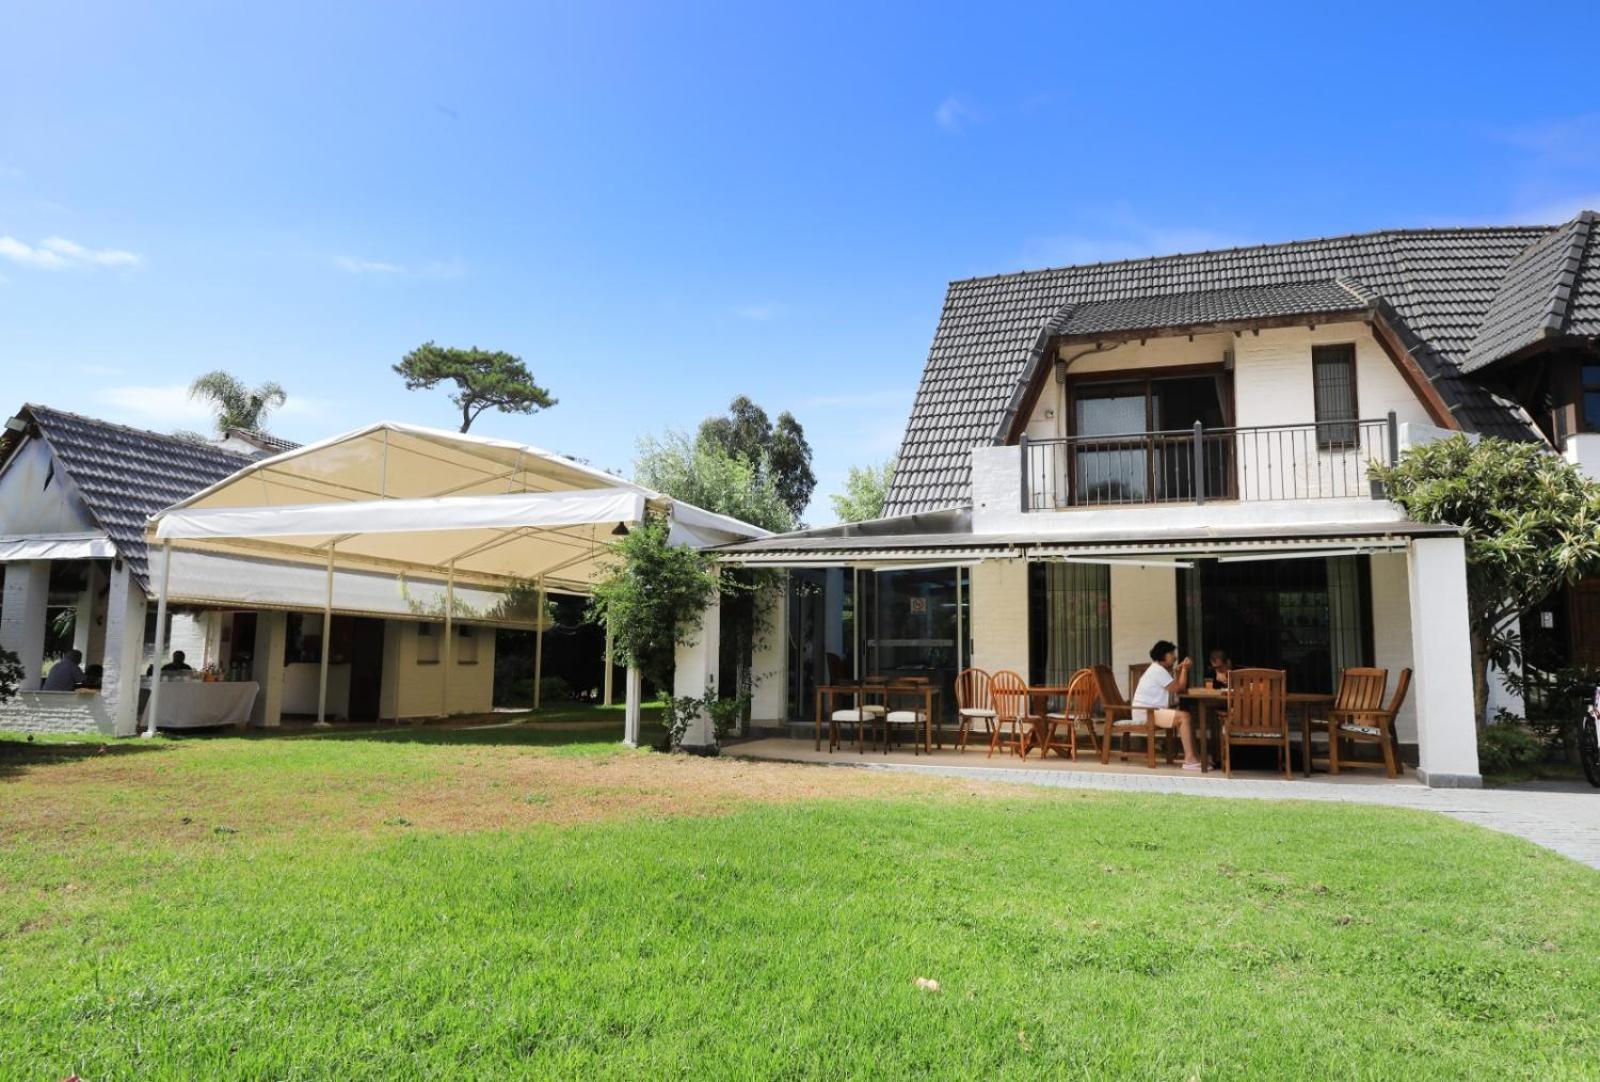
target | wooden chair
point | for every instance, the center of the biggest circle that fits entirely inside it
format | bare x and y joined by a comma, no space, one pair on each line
1369,726
902,718
1077,709
1013,710
1360,689
1124,720
974,705
1257,715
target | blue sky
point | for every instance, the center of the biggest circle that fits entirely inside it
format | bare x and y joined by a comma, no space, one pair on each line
660,207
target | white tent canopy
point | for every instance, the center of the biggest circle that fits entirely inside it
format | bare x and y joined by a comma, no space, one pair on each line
404,498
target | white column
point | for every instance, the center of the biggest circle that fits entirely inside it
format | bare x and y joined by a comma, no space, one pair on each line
124,650
695,672
327,646
83,612
22,616
164,581
633,684
266,663
538,647
1447,737
94,650
769,660
999,594
611,670
448,654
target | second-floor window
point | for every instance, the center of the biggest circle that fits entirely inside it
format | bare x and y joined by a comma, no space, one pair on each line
1333,373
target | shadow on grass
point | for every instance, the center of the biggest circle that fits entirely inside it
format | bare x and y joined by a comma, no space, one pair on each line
20,754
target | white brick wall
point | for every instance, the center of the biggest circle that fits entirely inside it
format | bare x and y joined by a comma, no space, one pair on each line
999,607
56,712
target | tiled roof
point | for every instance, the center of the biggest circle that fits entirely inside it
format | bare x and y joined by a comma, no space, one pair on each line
1207,307
1437,284
125,475
1539,293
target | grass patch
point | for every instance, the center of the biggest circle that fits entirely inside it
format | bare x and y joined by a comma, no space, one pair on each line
332,906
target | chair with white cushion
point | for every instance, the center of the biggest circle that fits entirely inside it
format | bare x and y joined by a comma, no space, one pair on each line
974,705
1371,725
1077,708
908,713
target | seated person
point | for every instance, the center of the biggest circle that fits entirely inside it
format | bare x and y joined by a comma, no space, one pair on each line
1218,666
177,664
93,676
1165,678
65,674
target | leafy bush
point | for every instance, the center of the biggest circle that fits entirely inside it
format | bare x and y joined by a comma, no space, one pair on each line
10,674
651,596
680,712
554,689
1555,701
1508,749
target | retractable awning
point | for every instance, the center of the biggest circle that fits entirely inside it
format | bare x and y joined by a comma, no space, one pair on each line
56,546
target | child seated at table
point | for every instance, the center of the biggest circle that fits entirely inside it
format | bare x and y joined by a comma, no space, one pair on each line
1218,666
1165,678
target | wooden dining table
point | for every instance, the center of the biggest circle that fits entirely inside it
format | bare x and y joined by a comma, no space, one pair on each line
1206,699
858,692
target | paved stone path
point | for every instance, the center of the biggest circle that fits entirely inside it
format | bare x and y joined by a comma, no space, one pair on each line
1559,816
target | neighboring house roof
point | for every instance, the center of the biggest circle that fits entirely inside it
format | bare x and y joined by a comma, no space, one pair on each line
262,441
1436,285
125,475
1542,290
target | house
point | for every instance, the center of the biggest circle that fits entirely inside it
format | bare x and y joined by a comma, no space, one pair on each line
1176,447
362,577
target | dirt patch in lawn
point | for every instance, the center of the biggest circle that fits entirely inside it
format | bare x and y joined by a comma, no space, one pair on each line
198,791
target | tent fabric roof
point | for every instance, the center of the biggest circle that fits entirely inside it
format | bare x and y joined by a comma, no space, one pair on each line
1440,285
397,495
125,475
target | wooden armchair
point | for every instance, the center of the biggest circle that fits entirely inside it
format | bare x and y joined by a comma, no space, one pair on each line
1076,710
974,705
1257,715
1360,690
1013,713
1374,725
1124,720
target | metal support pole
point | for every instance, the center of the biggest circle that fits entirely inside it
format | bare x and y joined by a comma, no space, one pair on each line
538,649
961,625
1394,438
1199,477
161,636
611,668
449,652
327,645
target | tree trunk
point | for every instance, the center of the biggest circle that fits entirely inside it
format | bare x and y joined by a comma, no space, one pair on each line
1480,678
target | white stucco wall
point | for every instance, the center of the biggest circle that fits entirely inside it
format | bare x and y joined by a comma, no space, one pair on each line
1144,609
768,670
56,712
1583,451
1391,631
999,613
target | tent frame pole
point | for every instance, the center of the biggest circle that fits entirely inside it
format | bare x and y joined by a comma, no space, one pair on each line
538,647
449,636
161,637
327,644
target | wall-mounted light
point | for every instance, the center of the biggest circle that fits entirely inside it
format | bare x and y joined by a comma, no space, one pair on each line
620,530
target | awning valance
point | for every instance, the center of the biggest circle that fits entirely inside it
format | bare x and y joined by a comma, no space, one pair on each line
64,546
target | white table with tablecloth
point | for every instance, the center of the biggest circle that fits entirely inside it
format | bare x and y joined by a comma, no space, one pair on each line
195,704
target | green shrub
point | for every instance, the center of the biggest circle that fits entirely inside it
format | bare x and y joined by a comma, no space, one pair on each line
1508,748
554,689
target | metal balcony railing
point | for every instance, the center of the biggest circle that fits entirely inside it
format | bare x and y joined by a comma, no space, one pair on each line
1318,461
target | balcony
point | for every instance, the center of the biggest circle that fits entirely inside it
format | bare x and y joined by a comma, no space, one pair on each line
1318,461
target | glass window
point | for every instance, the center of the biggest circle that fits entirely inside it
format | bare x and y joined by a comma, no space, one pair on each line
428,636
1591,409
1333,371
1069,625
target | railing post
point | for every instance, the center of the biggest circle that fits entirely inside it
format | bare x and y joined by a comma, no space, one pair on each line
1394,439
1199,464
1022,448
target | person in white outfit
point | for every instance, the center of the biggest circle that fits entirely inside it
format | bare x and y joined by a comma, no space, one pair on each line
1156,692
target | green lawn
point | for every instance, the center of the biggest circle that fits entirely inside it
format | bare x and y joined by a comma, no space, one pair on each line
516,902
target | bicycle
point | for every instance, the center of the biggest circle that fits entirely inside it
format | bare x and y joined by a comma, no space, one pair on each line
1589,741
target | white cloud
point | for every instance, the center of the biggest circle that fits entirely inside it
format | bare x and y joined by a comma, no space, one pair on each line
59,253
758,312
366,266
165,405
955,115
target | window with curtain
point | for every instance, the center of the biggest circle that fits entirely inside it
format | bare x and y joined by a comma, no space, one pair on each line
1333,372
1070,619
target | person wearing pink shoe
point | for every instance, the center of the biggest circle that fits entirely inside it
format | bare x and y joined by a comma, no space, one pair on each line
1158,688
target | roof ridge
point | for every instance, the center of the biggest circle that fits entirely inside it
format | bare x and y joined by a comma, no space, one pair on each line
1384,234
145,432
